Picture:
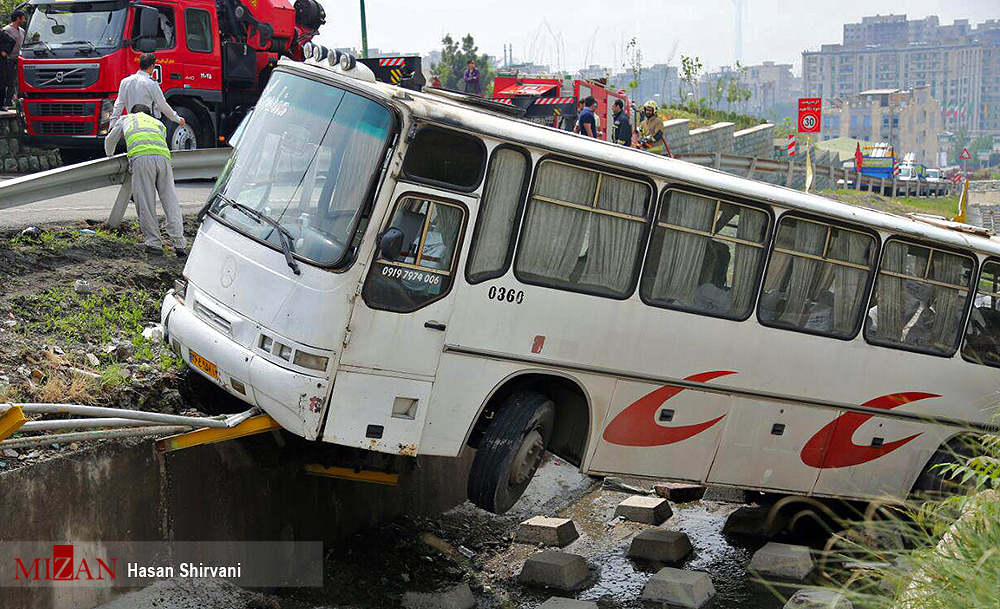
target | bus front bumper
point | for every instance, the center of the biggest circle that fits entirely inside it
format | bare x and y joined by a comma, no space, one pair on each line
294,400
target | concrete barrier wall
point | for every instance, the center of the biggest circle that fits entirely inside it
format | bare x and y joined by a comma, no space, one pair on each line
15,157
720,137
754,142
242,490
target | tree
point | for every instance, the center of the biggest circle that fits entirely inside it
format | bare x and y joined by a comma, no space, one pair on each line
455,58
690,74
6,7
633,56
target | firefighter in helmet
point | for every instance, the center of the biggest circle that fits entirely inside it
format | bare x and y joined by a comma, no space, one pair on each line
651,129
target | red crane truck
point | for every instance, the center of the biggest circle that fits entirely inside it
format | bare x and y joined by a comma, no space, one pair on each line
214,59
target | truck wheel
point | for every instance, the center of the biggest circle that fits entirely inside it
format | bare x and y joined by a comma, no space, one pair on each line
510,451
189,136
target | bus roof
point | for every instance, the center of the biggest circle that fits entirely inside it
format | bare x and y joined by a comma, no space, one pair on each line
446,112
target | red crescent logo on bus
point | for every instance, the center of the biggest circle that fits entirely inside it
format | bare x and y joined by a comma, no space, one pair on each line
836,436
636,425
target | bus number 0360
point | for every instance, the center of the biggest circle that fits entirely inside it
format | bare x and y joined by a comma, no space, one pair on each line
503,294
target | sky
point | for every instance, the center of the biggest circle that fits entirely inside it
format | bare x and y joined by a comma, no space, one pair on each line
569,36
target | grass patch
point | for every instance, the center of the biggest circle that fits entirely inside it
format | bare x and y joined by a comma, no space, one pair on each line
115,376
940,206
99,317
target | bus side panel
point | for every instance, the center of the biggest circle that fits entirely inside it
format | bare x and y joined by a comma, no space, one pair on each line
904,447
661,432
763,444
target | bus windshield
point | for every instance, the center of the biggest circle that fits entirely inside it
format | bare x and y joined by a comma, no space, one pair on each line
306,159
71,24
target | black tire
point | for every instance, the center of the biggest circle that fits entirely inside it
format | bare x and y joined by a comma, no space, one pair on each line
490,481
192,135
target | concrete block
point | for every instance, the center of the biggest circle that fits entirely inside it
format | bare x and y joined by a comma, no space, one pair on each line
660,545
567,603
679,492
752,521
459,597
680,588
783,561
818,599
647,510
554,569
547,531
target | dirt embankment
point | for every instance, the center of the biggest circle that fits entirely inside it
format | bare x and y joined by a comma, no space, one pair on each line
74,305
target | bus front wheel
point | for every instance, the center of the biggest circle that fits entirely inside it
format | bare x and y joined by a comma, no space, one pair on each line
511,450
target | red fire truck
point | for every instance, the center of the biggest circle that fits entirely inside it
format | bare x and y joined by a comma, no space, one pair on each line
553,101
214,58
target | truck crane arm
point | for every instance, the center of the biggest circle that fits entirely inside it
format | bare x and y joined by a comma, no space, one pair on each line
275,26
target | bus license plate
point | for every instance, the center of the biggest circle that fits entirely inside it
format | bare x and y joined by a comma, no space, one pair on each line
206,366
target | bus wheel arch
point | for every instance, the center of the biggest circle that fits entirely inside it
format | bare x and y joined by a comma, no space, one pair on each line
931,481
525,415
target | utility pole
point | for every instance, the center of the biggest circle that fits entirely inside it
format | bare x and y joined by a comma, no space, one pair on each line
364,32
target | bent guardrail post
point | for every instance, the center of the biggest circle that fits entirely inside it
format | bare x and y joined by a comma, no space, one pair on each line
121,203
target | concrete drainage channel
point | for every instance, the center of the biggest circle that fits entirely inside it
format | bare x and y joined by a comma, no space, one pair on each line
594,545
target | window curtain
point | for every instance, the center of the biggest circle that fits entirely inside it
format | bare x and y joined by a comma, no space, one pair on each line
744,288
888,318
497,212
682,255
554,235
848,283
447,222
614,242
809,237
949,303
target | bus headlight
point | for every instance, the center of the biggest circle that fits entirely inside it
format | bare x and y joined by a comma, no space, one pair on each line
313,362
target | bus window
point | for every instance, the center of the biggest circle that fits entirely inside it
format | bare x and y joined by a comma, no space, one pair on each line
422,272
506,179
919,299
817,278
982,335
445,158
705,256
583,230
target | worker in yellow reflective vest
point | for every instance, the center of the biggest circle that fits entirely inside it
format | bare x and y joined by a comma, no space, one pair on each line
152,173
651,130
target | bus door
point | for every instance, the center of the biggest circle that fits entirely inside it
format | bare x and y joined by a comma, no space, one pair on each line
396,332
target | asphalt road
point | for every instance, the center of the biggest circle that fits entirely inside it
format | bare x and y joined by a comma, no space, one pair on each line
94,205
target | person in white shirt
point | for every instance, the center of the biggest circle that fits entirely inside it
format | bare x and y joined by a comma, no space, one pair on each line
140,88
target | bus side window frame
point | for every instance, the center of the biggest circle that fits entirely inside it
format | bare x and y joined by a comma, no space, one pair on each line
409,177
725,198
435,199
908,240
869,285
968,318
643,237
515,228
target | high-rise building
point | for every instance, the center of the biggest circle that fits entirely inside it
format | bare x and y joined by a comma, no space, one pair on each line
770,84
908,120
959,62
659,82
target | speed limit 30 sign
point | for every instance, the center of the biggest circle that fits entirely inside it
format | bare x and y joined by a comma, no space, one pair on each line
810,114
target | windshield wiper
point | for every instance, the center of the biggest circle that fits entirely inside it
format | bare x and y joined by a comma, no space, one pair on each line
285,237
41,42
93,49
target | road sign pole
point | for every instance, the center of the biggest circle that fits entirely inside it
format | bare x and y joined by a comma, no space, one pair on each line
364,32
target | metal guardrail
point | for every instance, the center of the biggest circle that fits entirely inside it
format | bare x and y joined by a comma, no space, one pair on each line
785,172
74,179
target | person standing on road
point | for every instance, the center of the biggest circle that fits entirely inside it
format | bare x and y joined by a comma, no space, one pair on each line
651,130
149,161
471,78
623,127
9,56
140,88
587,121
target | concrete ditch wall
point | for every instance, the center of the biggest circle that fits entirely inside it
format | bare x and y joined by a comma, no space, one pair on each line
15,157
239,490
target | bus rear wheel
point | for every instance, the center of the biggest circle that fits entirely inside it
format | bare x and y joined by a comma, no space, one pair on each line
511,450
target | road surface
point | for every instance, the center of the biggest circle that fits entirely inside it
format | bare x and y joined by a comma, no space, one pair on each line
94,205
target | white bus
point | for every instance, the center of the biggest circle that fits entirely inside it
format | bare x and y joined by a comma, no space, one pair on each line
414,273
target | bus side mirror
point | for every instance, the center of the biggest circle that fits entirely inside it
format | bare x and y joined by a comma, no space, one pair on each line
390,243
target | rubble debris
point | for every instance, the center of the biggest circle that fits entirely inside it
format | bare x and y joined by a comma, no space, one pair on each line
752,521
678,492
660,545
617,485
82,286
818,599
782,560
554,569
545,531
567,603
458,597
645,510
32,232
680,588
92,360
153,333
